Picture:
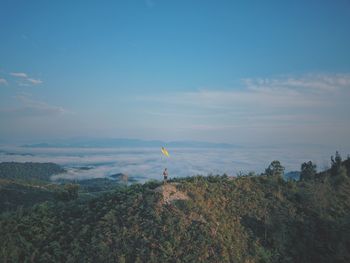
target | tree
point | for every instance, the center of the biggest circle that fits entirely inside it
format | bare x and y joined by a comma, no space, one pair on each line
336,163
70,192
308,171
275,169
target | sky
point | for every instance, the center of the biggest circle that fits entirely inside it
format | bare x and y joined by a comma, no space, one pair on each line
243,72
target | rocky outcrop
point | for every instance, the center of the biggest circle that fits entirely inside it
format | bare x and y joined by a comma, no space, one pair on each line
170,193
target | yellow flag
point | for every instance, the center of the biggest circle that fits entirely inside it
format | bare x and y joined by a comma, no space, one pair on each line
165,152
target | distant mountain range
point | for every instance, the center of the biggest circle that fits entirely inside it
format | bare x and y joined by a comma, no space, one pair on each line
110,143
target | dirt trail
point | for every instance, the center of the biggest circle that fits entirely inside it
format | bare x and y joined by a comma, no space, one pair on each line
170,193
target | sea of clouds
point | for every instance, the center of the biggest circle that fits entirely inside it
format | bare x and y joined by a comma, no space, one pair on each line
148,163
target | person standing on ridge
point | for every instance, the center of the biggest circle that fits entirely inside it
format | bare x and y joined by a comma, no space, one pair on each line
165,174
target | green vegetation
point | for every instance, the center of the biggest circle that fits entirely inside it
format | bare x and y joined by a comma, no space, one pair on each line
275,169
13,195
26,184
29,172
68,192
245,219
308,171
95,185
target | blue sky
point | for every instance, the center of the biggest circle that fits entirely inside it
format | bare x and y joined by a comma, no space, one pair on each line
261,72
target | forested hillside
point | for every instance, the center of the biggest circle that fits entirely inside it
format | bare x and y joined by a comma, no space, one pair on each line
24,184
29,172
222,219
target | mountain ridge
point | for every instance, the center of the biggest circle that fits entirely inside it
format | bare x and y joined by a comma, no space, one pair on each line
250,218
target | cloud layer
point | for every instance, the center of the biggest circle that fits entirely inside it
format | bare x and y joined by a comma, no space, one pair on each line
149,163
306,108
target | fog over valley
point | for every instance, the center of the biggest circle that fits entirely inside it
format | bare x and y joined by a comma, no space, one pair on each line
148,162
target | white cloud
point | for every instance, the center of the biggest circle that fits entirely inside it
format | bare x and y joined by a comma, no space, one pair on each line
34,81
30,107
25,79
284,92
3,81
19,74
286,108
309,82
39,107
